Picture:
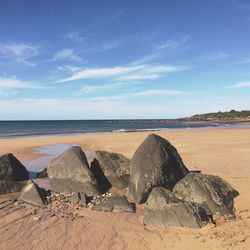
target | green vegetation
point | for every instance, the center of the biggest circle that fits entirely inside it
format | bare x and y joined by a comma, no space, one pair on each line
232,115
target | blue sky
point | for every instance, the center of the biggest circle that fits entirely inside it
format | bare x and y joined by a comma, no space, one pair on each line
123,59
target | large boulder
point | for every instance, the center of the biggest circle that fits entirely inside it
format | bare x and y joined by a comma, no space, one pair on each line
42,174
215,194
115,167
117,202
70,172
34,195
12,174
12,169
164,209
155,163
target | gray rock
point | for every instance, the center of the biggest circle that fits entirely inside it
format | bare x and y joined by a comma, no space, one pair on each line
115,167
155,163
79,198
42,174
215,194
164,209
10,186
12,174
34,195
116,202
12,169
70,172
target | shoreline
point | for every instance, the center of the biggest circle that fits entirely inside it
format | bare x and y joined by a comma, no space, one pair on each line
125,131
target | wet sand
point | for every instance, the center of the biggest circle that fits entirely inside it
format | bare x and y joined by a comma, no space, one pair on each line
223,152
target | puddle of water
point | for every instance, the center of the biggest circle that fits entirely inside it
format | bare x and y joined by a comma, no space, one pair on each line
38,164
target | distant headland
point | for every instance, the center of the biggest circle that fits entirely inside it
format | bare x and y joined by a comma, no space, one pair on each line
232,115
226,116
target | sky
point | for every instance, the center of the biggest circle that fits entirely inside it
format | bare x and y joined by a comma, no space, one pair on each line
118,59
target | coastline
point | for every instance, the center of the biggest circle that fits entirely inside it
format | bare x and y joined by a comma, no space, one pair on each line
30,143
21,129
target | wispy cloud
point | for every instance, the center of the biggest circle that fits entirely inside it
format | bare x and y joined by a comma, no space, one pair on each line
68,68
171,45
144,93
244,61
138,77
240,85
87,89
101,73
162,49
107,45
13,83
125,73
73,37
67,54
153,92
19,52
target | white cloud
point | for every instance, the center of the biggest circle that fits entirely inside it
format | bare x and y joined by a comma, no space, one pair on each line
102,73
67,54
125,73
240,85
98,107
13,83
163,69
19,52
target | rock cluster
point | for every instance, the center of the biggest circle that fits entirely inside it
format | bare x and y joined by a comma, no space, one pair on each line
156,176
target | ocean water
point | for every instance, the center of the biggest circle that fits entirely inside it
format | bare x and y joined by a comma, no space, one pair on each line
31,128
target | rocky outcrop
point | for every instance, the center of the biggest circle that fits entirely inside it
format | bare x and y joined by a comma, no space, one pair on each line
164,209
34,195
42,174
212,192
116,202
155,163
70,172
12,174
115,167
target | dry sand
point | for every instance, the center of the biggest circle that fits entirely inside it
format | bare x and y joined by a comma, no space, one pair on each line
223,152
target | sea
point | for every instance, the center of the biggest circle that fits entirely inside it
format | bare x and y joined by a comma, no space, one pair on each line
10,129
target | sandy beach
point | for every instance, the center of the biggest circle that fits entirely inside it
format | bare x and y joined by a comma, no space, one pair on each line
222,152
